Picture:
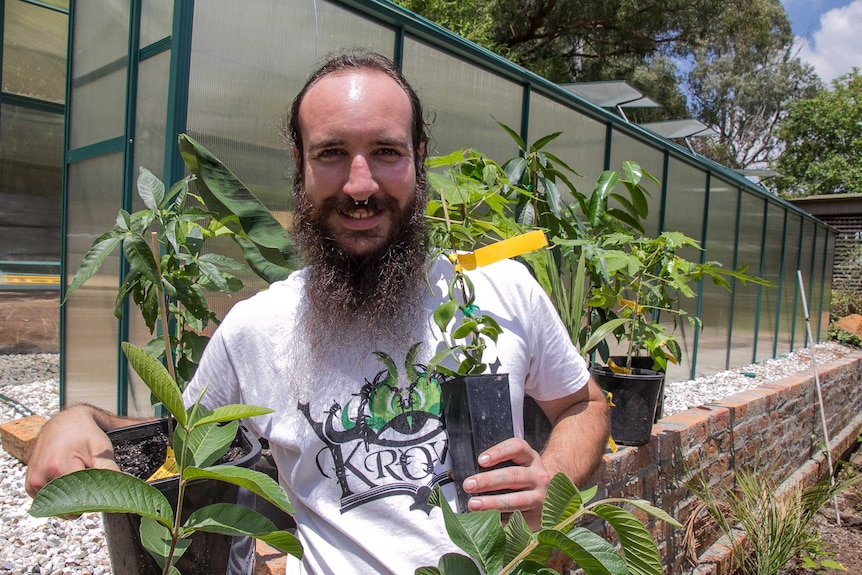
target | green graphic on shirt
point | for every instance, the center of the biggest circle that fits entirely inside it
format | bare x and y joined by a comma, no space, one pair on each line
388,439
386,401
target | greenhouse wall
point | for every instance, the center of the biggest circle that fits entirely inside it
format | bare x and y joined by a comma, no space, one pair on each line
225,72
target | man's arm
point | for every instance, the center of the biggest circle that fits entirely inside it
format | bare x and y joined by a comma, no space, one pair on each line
73,439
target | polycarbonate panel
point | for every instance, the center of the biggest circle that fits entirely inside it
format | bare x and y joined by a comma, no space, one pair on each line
651,160
149,152
248,62
790,286
684,207
800,337
31,176
581,145
462,101
99,62
94,192
157,18
817,284
825,312
712,346
749,251
34,51
766,334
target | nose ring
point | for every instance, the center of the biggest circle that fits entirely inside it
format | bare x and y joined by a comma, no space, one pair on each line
358,203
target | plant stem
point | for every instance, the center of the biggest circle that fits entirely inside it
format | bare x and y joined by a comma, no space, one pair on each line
169,355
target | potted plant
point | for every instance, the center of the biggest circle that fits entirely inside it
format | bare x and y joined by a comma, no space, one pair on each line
170,274
167,527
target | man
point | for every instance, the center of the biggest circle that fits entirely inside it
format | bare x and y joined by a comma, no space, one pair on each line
339,349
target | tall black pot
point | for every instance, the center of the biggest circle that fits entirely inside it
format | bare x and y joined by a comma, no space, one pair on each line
208,553
477,412
635,396
645,362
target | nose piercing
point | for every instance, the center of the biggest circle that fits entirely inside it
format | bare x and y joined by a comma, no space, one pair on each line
358,203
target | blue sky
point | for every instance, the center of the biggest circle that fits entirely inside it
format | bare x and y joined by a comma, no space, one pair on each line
828,34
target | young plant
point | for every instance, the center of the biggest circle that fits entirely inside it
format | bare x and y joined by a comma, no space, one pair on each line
169,268
499,550
201,439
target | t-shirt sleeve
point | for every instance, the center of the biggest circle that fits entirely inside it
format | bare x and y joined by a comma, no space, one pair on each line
556,367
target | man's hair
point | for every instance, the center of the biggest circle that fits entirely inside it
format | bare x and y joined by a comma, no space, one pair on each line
360,59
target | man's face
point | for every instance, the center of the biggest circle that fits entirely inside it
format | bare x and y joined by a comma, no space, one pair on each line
359,162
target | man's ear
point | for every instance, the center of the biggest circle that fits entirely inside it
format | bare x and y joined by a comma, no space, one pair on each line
295,151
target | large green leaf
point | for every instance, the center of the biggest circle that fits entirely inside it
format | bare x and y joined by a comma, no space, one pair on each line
94,258
456,564
101,490
480,533
156,539
591,553
157,378
232,413
639,550
258,483
231,519
150,189
139,254
206,444
562,500
225,195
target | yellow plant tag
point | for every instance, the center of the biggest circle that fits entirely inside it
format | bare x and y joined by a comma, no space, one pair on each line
618,368
519,245
612,444
168,468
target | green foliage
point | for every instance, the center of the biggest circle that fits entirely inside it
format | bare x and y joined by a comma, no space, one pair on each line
774,521
845,303
170,269
823,140
516,549
197,443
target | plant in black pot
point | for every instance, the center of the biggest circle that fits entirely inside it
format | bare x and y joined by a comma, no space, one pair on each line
170,274
168,528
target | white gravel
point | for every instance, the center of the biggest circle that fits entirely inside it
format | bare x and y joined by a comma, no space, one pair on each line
55,546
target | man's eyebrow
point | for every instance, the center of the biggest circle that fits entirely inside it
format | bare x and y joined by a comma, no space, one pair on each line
325,144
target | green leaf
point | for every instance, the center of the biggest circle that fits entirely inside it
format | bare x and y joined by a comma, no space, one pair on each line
140,257
443,315
233,412
94,258
101,490
258,483
591,553
562,500
639,549
654,511
206,444
150,189
480,533
156,539
231,519
456,564
157,378
544,141
513,134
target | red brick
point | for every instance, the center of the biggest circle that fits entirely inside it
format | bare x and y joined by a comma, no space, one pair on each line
268,560
19,436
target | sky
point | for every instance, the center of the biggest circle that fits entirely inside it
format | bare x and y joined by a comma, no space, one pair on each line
828,33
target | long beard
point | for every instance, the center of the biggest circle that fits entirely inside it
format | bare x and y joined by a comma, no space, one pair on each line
351,299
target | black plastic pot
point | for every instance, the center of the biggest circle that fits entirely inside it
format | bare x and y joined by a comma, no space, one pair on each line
209,552
645,362
635,397
477,412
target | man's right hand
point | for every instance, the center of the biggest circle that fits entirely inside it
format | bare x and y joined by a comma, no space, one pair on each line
72,440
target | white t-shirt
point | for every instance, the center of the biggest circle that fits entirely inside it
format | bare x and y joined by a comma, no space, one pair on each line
359,456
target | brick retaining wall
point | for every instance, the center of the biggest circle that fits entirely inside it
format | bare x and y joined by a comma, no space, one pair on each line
777,424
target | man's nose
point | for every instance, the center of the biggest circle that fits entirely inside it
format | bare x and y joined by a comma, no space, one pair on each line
360,183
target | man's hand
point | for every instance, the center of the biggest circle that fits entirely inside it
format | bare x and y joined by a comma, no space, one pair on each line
72,440
527,479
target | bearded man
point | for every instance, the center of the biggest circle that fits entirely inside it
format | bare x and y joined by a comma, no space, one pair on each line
339,349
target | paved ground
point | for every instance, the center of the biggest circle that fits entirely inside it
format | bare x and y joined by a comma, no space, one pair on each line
29,322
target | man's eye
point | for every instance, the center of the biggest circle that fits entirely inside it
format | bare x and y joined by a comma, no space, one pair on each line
388,152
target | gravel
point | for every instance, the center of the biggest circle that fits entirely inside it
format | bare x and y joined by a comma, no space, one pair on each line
77,546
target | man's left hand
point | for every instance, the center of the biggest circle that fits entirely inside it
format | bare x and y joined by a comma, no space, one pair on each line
527,479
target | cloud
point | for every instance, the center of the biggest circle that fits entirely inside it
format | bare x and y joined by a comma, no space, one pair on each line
835,48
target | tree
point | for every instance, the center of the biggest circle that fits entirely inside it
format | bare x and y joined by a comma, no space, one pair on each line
822,136
742,81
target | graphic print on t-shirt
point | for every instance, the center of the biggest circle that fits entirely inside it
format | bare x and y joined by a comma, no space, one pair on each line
387,439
